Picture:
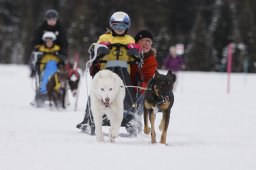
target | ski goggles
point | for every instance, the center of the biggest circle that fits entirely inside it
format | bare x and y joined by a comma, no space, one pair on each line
119,26
48,39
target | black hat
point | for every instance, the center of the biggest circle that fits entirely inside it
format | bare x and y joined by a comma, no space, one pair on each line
51,13
143,34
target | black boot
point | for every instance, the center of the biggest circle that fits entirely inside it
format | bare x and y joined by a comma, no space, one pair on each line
85,122
86,117
40,99
133,125
127,119
87,125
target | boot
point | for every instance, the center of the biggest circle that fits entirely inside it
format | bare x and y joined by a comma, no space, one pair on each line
40,99
85,122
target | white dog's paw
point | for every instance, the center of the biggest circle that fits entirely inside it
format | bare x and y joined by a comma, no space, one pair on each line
115,133
112,139
100,138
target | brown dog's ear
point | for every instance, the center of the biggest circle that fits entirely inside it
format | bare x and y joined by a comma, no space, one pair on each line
157,73
173,76
169,72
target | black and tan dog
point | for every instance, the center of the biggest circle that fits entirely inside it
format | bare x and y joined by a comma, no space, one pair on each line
159,96
56,88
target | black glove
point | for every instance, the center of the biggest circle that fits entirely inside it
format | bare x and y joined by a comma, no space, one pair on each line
133,52
102,51
137,54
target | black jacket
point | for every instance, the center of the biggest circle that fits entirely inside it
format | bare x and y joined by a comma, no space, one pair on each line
57,29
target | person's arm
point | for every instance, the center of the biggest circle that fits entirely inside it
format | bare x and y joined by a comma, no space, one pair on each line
36,38
149,67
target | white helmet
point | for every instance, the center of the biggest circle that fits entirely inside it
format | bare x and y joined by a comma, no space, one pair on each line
120,20
49,35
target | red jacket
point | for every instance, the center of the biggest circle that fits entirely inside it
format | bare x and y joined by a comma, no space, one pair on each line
148,69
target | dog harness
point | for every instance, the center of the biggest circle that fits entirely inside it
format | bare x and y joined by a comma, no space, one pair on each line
57,82
119,55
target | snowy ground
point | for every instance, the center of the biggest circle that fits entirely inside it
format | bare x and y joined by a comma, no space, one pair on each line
209,129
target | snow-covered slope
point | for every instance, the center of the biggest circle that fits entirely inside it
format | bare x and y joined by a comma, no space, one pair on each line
209,129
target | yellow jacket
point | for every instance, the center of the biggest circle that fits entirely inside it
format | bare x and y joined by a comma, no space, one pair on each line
108,37
113,55
48,54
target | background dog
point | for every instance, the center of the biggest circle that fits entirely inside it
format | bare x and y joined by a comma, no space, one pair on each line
56,89
107,96
158,96
74,74
73,81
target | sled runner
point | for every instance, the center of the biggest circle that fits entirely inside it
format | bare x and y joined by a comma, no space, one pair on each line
112,57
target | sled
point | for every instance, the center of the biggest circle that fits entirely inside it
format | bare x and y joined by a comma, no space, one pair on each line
41,99
132,116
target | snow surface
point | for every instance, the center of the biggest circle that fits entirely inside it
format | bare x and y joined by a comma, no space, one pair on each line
209,129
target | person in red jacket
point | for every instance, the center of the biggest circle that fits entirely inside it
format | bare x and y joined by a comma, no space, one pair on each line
144,39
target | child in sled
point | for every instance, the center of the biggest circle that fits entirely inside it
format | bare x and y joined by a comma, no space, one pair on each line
47,59
120,53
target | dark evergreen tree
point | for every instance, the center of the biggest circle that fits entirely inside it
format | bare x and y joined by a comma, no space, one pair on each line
10,33
247,27
198,57
222,35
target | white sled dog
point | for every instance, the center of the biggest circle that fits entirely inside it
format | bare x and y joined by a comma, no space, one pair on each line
107,97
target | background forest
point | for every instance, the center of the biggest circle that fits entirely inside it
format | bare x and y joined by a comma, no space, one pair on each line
205,27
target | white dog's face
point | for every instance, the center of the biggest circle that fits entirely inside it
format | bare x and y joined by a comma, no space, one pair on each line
106,90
